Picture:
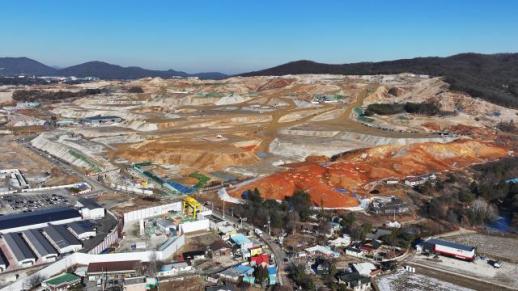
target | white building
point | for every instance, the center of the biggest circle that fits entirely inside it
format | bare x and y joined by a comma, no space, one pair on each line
175,269
364,269
323,250
343,241
90,209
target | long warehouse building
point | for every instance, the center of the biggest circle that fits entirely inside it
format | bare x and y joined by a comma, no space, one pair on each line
20,250
37,219
40,245
62,239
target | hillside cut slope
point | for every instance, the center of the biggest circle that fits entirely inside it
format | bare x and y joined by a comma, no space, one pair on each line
331,184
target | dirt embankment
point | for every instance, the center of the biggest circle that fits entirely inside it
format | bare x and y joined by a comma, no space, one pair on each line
206,157
352,171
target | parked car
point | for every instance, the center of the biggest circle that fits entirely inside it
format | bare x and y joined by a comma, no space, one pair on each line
495,264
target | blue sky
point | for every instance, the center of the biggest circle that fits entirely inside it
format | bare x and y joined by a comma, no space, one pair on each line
237,36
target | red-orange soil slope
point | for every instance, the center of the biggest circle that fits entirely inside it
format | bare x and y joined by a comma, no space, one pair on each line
353,170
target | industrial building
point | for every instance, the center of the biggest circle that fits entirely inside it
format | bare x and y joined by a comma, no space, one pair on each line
37,219
40,245
21,251
82,229
90,209
111,270
64,241
447,248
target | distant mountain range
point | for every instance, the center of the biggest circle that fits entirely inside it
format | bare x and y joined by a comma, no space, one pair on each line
491,77
17,66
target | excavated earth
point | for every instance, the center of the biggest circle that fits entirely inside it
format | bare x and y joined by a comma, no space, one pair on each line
326,181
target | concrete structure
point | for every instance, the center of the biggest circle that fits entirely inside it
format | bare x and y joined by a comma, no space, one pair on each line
40,245
37,219
90,209
62,239
20,250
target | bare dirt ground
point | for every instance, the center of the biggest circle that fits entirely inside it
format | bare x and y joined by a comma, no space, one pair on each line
15,156
253,126
479,269
194,283
403,280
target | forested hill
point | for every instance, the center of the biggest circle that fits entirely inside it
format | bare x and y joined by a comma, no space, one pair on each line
491,77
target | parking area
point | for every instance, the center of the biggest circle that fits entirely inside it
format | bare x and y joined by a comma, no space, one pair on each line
480,269
27,203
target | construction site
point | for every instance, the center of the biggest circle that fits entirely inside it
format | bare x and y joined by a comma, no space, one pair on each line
277,134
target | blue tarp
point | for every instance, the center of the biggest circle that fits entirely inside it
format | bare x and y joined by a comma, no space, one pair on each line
175,186
244,269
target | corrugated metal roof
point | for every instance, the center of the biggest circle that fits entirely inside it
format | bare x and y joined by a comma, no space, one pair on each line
89,203
240,239
118,266
450,244
18,246
80,227
40,245
36,217
60,236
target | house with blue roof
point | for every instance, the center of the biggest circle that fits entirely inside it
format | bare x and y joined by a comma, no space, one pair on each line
241,240
239,271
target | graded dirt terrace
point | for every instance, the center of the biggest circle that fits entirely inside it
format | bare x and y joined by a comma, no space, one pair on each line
254,126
